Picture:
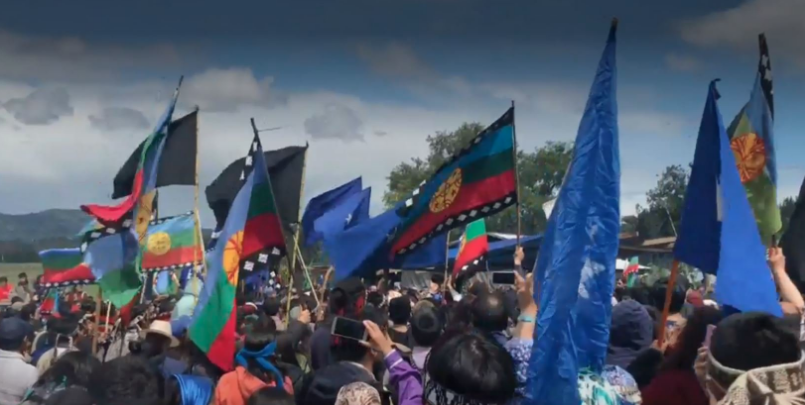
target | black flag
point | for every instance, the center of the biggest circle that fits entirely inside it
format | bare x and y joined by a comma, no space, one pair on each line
793,242
177,165
285,167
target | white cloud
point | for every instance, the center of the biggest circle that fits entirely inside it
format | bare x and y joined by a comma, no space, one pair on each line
684,63
68,58
41,107
738,28
116,118
337,121
229,89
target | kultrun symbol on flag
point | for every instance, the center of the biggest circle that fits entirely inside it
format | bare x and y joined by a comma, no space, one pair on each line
232,255
447,192
159,243
750,156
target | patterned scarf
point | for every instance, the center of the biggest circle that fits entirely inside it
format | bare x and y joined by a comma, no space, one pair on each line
782,384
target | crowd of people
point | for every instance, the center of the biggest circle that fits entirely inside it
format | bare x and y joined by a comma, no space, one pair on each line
437,347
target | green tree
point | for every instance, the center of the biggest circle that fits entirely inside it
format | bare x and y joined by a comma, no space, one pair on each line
664,204
786,211
540,174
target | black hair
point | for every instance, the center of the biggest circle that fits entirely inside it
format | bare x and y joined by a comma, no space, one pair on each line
15,299
125,380
437,279
489,312
70,396
752,340
454,362
684,352
28,311
271,307
426,326
270,396
375,298
22,275
678,295
72,369
3,279
400,310
256,340
457,317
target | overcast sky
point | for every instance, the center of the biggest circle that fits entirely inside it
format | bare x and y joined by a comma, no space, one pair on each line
365,82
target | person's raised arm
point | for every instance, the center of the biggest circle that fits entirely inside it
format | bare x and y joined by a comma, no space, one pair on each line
792,301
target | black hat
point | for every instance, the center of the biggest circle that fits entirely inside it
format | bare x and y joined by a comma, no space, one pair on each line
14,329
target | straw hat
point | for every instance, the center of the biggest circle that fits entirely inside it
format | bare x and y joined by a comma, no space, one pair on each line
162,328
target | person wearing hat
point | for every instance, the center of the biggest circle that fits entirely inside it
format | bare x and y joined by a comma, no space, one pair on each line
16,375
157,340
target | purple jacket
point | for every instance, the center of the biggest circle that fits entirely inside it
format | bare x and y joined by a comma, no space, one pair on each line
405,379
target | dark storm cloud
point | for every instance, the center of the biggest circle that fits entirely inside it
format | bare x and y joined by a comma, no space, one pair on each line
41,107
518,20
115,118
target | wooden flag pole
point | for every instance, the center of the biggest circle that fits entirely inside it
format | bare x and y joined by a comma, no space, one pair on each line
516,177
666,309
446,261
298,251
96,329
198,237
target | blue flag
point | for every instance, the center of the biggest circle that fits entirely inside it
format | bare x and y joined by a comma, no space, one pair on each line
364,248
718,233
323,203
350,212
576,264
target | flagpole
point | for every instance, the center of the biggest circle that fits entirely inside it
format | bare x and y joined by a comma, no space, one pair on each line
669,289
446,260
516,176
198,237
290,260
96,329
298,251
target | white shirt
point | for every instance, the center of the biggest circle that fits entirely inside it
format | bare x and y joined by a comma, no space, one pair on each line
16,376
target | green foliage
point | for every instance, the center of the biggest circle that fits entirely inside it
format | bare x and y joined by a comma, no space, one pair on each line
786,211
665,203
540,174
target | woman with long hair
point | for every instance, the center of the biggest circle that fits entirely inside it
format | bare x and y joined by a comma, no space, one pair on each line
676,381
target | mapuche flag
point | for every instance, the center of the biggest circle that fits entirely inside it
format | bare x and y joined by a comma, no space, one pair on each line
477,182
171,243
63,267
145,178
752,142
251,228
285,168
177,167
472,251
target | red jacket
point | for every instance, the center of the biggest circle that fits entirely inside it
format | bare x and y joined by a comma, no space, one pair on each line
674,387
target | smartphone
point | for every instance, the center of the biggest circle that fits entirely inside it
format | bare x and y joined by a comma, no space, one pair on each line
349,328
709,335
503,278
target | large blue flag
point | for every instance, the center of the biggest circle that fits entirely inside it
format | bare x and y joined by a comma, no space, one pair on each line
718,233
323,203
576,264
364,248
352,211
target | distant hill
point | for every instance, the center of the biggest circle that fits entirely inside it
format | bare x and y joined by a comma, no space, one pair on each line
42,225
23,236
